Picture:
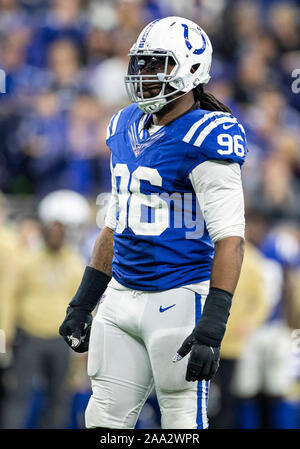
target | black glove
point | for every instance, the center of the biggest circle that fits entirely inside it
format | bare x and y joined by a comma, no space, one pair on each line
76,328
205,341
203,362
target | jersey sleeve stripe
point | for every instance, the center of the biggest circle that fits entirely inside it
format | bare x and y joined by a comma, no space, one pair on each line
111,129
243,130
108,131
115,122
189,135
205,132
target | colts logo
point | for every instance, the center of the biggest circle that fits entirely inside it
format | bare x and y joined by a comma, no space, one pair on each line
198,51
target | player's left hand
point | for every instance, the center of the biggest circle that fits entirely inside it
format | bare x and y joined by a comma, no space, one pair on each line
76,328
203,362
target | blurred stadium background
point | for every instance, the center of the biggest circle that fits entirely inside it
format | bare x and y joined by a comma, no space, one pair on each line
64,62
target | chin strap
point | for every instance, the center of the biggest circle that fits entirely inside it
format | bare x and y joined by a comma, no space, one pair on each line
150,107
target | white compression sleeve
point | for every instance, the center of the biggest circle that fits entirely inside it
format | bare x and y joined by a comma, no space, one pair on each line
219,190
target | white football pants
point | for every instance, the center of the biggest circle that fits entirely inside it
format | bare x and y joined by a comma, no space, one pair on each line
134,336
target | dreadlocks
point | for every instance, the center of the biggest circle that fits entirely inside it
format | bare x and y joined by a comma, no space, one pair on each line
208,101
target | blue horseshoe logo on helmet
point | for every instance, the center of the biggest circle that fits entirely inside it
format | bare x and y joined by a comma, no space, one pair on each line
198,51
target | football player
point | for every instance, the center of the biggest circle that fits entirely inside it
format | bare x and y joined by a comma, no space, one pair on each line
170,254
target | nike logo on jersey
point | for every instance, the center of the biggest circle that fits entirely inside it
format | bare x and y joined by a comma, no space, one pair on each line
163,309
228,126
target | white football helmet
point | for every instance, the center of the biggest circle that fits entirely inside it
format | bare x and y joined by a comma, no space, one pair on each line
172,40
66,206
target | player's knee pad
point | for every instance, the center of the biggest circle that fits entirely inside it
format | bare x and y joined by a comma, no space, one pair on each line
103,411
186,409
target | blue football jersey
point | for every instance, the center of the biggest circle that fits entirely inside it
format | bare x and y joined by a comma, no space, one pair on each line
161,241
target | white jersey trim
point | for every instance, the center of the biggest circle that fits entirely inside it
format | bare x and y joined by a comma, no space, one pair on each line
208,129
189,135
113,124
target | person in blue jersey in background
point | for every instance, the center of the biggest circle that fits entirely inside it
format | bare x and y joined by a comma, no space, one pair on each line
170,255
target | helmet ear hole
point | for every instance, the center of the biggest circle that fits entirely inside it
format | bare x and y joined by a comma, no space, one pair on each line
195,67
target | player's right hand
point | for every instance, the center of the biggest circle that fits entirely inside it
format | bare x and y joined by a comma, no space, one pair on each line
203,362
76,328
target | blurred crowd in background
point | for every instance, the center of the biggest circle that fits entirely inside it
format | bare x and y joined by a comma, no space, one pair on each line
64,62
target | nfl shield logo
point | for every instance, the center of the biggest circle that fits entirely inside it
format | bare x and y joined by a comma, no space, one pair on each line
137,150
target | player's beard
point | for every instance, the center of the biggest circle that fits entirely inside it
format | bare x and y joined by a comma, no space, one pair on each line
151,90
